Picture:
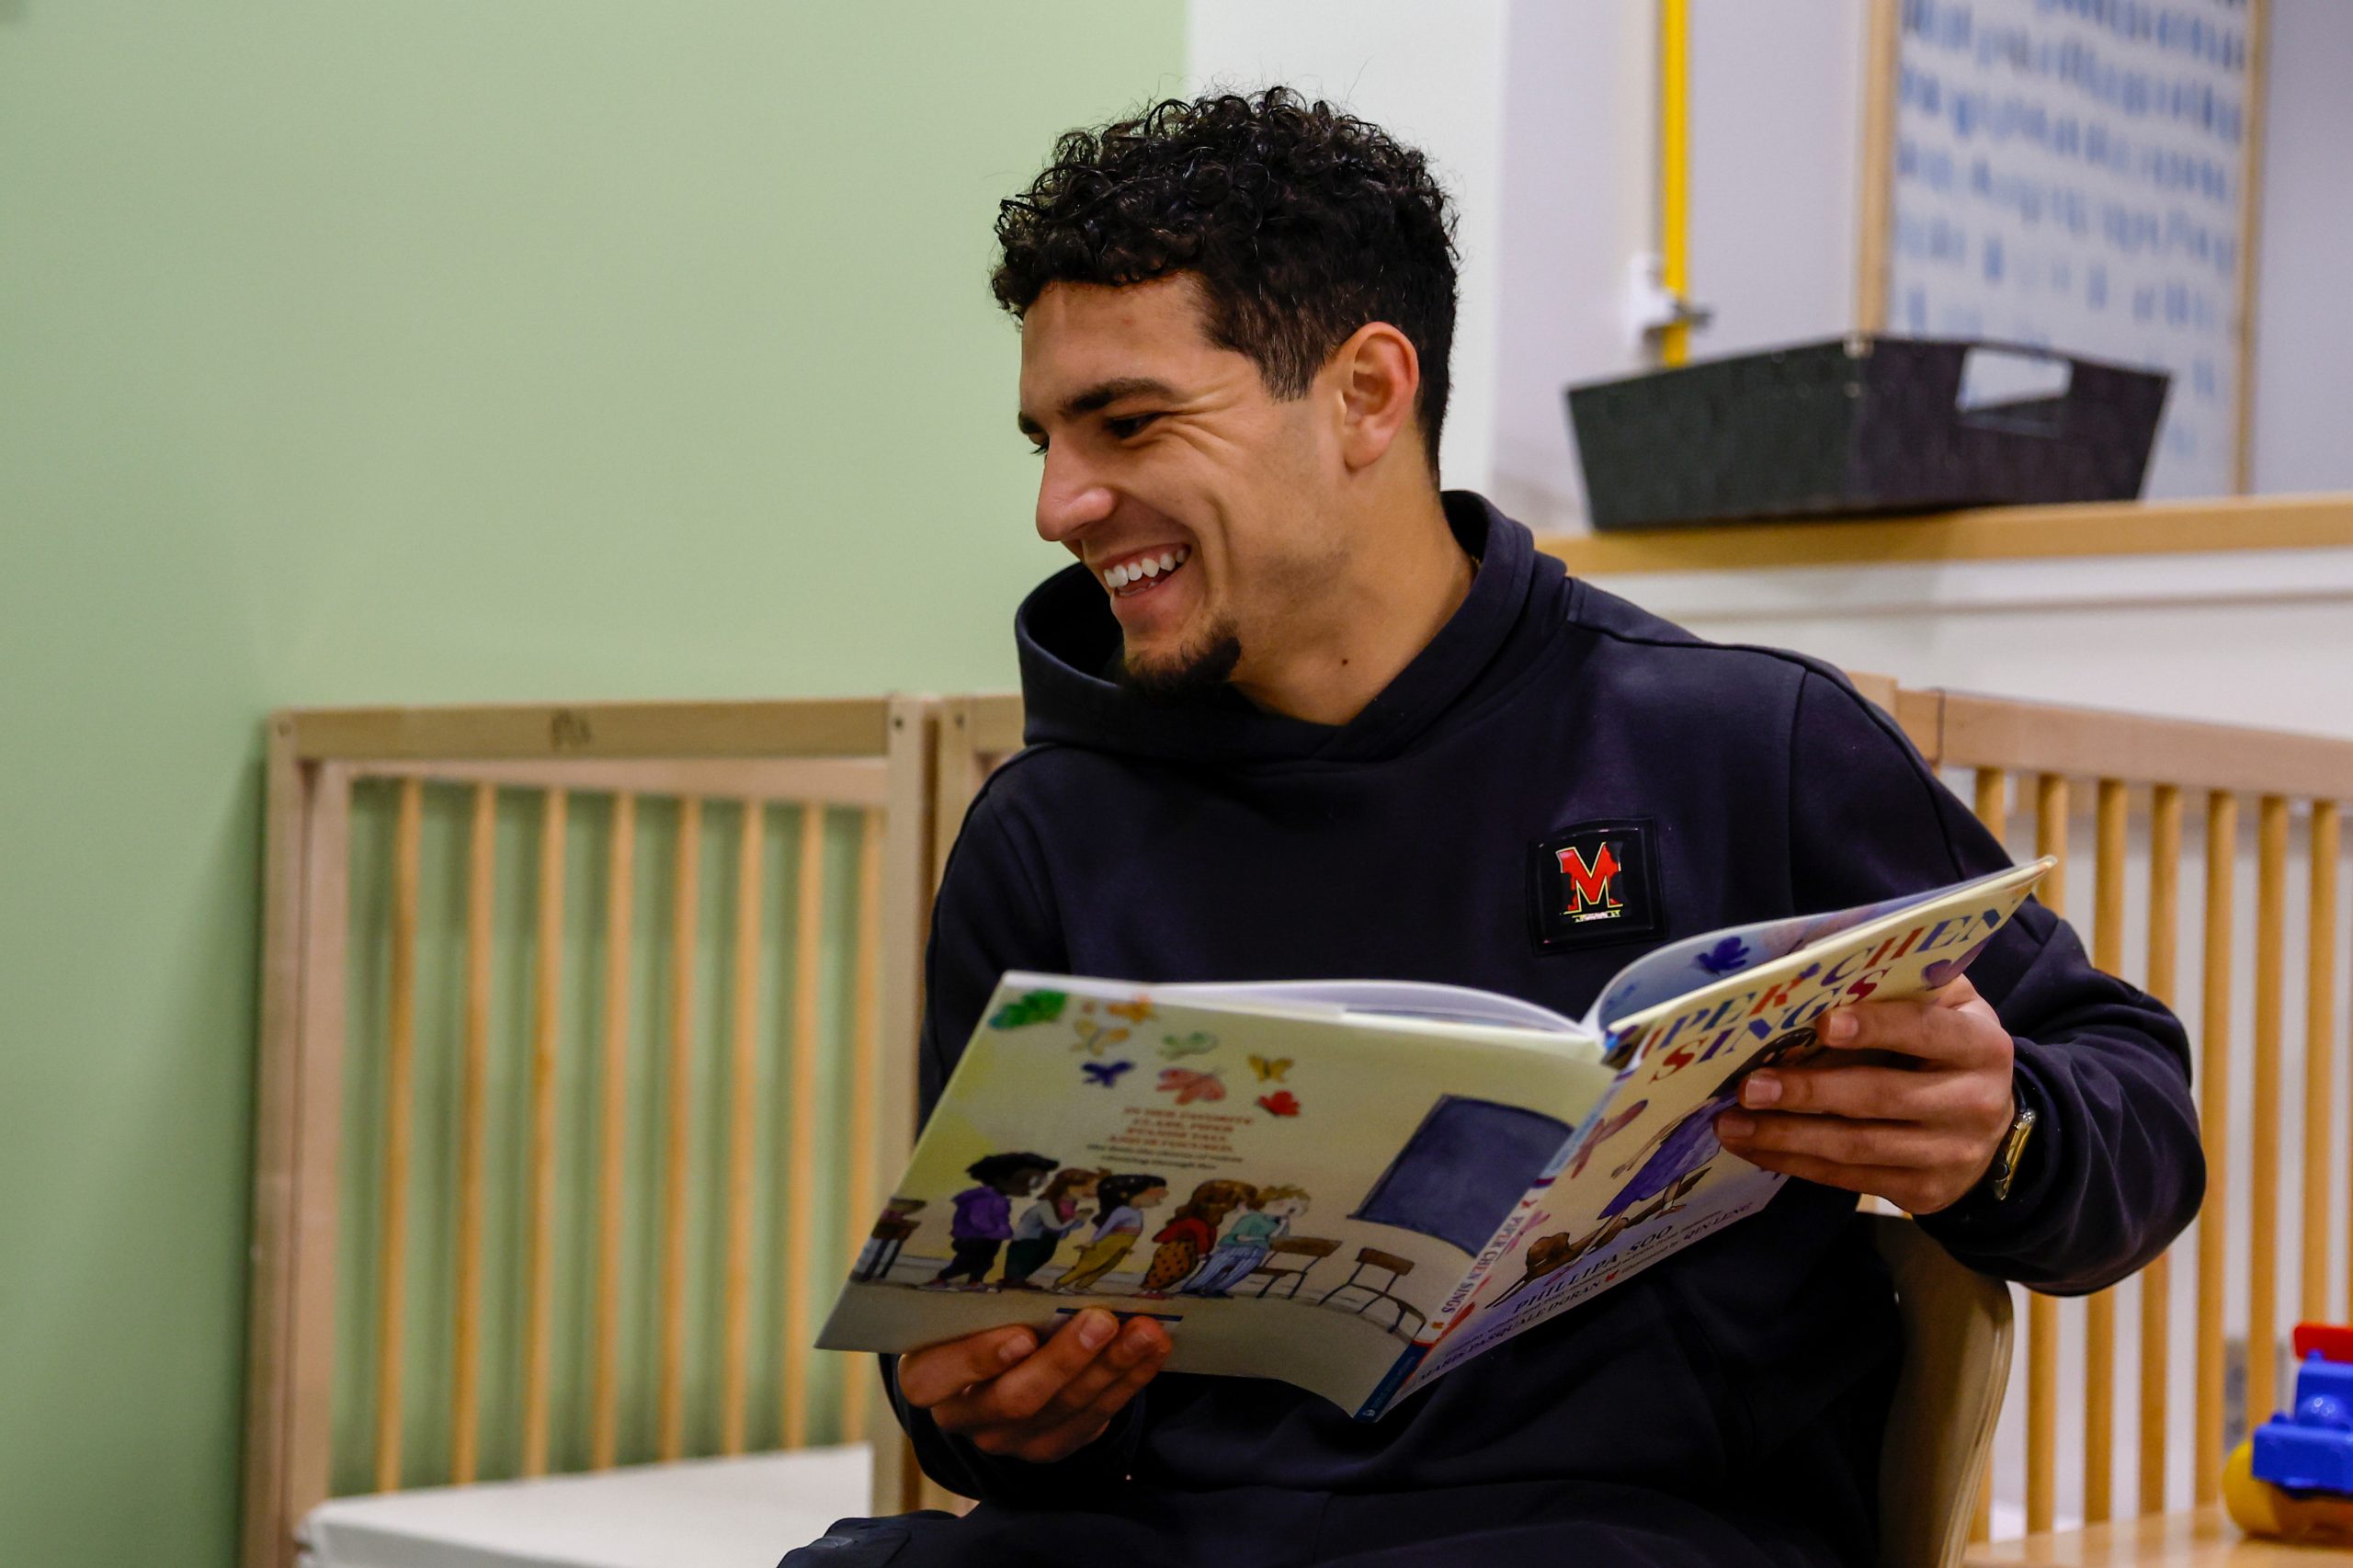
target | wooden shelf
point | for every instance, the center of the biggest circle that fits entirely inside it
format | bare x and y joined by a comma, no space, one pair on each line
1992,533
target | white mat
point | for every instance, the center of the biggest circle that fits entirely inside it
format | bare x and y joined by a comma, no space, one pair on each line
739,1513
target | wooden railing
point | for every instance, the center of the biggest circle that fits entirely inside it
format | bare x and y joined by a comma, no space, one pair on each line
2146,772
657,1063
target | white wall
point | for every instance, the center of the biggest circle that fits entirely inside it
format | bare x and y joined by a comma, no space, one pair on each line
1429,74
2304,340
1776,124
1579,90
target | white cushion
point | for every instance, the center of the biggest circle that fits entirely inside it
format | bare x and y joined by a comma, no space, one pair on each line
735,1512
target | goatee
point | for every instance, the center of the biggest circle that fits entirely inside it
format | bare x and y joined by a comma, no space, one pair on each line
1191,675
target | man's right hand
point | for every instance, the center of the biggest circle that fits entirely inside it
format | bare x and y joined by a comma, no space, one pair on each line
1007,1394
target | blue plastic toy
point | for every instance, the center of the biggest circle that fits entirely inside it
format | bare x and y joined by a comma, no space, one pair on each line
2293,1478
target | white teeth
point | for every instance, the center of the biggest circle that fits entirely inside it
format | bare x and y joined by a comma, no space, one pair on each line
1136,571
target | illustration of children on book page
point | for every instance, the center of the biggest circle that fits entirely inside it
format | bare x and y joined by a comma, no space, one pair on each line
1059,1210
1119,1223
1245,1179
1267,1218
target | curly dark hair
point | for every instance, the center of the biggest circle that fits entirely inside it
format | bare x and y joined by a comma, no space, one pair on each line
990,1169
1302,223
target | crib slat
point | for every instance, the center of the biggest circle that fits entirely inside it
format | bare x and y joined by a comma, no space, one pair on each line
2263,1187
686,893
1993,808
742,1101
801,1187
866,1045
465,1339
2156,1279
620,914
2099,1310
547,973
1993,802
2214,1131
400,1040
2320,1056
2042,1312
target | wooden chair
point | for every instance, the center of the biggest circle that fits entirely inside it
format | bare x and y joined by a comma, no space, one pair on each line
1397,1269
1314,1249
1957,1334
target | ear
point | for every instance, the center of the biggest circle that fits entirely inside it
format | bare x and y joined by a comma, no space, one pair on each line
1377,376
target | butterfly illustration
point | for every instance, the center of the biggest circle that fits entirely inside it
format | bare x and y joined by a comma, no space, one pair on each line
1135,1011
1031,1008
1188,1086
1282,1102
1193,1044
1093,1038
1104,1073
1723,957
1271,1068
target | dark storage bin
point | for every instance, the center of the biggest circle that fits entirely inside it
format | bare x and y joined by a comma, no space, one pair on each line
1855,425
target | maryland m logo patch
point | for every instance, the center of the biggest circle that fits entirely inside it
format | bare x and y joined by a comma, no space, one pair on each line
1595,882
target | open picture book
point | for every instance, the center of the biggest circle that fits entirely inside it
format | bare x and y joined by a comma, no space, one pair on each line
1355,1187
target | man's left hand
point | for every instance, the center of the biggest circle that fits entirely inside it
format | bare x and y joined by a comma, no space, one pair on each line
1915,1119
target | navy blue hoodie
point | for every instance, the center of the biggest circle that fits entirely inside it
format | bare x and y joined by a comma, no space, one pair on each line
1741,1385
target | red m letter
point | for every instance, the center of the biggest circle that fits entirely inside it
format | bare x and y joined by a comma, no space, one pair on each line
1589,884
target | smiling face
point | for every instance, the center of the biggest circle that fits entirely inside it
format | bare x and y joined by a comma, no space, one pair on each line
1197,498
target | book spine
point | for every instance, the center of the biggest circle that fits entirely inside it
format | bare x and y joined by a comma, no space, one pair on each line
1377,1402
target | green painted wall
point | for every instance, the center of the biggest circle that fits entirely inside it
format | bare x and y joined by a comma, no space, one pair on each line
418,353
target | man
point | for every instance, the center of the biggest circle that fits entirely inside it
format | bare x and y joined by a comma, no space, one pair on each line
1295,712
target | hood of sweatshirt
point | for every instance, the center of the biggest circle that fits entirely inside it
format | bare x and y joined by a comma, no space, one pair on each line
1069,641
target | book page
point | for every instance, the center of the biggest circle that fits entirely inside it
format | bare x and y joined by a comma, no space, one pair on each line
1289,1193
1396,998
1680,968
1644,1177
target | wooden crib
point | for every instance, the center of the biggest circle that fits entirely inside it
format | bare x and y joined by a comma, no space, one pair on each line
554,1168
694,1250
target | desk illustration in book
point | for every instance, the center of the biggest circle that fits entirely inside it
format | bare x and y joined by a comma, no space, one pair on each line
1355,1187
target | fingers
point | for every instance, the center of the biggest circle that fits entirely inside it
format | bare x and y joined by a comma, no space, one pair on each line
937,1371
1883,1181
1019,1390
1842,1140
1977,1100
1952,1028
1127,1363
1027,1414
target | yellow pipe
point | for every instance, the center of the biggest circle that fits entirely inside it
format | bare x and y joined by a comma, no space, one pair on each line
1675,168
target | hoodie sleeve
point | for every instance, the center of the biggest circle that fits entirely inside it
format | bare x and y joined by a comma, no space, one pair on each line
2113,1170
991,917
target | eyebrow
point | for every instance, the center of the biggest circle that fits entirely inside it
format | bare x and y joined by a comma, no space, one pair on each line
1102,395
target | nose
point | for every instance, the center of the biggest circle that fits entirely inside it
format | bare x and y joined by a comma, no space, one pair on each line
1071,499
